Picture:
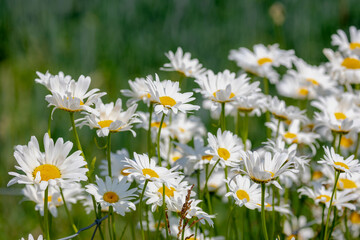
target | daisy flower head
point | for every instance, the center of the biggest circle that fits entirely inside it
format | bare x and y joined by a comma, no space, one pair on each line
44,79
319,193
262,60
116,193
225,86
30,237
143,168
166,96
263,169
118,165
183,128
282,112
244,192
139,91
225,146
72,96
253,104
348,166
52,168
110,118
183,64
345,45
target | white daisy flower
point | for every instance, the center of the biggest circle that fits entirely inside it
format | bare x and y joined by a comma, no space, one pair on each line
225,86
118,165
53,167
253,104
154,194
183,128
338,114
261,61
319,194
244,193
30,237
348,166
280,111
144,168
114,193
225,146
139,91
72,96
166,96
110,118
347,46
44,79
263,169
298,228
182,63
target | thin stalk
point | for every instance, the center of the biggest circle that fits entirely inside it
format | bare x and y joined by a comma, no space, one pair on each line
222,117
46,214
109,222
49,123
337,174
273,211
263,211
140,209
347,233
237,123
76,134
267,114
229,221
158,138
123,232
245,131
322,221
339,144
149,147
208,200
147,221
108,154
68,212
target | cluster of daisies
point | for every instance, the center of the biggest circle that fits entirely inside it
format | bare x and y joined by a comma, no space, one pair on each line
302,182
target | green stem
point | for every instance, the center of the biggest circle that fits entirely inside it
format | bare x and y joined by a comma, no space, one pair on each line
273,212
109,222
339,144
245,131
46,214
206,189
347,233
222,117
68,212
123,232
140,209
108,154
229,221
76,134
357,146
322,221
237,124
267,114
337,174
151,109
158,138
263,211
49,123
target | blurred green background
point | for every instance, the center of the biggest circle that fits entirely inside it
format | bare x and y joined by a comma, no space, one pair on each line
114,41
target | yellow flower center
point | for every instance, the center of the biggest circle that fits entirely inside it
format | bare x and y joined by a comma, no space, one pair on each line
327,197
340,116
313,81
351,63
341,164
292,236
157,125
223,153
346,142
346,184
49,199
317,175
124,173
354,45
290,135
303,91
230,97
150,172
241,194
175,158
47,172
355,218
272,174
182,130
167,101
105,123
111,197
264,60
168,191
207,157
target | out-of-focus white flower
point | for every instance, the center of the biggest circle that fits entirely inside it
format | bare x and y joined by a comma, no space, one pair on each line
110,118
298,228
262,60
118,165
138,91
183,128
282,112
182,63
347,46
166,96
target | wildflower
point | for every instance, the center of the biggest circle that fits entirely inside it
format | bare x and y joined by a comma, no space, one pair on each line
53,167
225,146
262,60
347,46
298,228
284,113
166,96
110,118
244,193
182,63
44,79
114,193
72,96
348,166
183,128
139,91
